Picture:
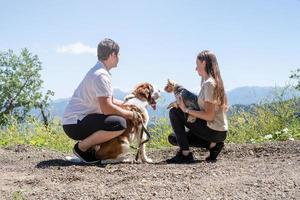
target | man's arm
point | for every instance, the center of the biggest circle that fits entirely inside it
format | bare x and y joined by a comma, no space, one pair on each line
117,101
108,107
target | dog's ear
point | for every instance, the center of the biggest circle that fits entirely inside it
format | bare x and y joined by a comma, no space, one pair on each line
171,82
146,93
141,91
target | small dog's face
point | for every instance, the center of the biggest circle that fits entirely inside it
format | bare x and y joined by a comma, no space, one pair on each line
146,92
170,86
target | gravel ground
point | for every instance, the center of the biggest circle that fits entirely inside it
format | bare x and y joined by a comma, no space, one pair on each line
248,171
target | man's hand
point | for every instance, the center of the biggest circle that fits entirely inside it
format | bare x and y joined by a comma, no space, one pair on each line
137,117
117,101
128,114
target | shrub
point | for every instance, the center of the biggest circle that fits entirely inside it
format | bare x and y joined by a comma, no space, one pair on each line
263,122
159,129
34,133
267,121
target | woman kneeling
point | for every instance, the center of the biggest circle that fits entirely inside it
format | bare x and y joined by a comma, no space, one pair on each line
210,128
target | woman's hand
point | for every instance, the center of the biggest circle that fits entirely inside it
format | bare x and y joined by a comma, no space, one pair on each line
181,104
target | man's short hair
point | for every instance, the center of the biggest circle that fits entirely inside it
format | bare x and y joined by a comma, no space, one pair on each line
107,47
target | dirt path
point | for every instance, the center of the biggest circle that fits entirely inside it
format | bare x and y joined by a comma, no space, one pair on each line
265,171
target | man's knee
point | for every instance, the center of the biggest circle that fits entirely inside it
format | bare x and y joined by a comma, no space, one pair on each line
117,123
121,123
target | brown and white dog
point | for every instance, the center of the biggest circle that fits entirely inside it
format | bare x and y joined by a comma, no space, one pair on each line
115,150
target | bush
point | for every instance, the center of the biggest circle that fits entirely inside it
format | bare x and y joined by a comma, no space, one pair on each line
263,122
266,122
159,130
34,133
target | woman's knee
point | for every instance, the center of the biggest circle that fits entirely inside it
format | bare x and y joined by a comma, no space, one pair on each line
173,112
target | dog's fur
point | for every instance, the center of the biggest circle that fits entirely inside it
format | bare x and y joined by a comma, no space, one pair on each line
114,151
189,99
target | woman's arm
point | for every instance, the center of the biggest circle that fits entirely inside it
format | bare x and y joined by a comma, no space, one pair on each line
208,114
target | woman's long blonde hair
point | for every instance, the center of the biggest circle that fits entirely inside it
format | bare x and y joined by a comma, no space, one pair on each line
212,69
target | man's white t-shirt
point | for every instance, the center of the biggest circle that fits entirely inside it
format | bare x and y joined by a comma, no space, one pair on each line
96,83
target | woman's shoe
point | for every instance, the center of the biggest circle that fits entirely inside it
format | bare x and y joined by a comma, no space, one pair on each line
214,152
179,158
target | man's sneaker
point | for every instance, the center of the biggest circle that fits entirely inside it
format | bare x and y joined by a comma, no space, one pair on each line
87,156
179,158
214,152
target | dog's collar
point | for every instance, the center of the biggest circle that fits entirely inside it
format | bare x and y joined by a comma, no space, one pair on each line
128,97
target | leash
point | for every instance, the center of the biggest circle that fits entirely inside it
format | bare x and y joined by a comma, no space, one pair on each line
143,142
144,129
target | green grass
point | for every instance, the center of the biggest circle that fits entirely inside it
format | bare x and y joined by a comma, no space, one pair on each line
34,133
159,133
17,195
274,121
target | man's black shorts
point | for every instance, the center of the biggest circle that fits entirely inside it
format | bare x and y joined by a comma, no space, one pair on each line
92,123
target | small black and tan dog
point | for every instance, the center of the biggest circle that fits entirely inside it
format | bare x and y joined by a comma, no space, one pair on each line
189,99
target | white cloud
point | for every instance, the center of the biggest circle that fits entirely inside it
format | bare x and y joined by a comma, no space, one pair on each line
76,48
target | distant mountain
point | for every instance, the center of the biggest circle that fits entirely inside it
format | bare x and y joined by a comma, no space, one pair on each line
240,97
57,107
251,95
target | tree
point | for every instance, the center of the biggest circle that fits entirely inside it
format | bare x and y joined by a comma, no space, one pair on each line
21,85
296,76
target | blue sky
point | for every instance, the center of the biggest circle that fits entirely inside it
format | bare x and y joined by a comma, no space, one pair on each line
257,42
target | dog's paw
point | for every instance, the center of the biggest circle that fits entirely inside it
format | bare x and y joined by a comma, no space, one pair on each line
147,160
127,160
191,119
172,105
